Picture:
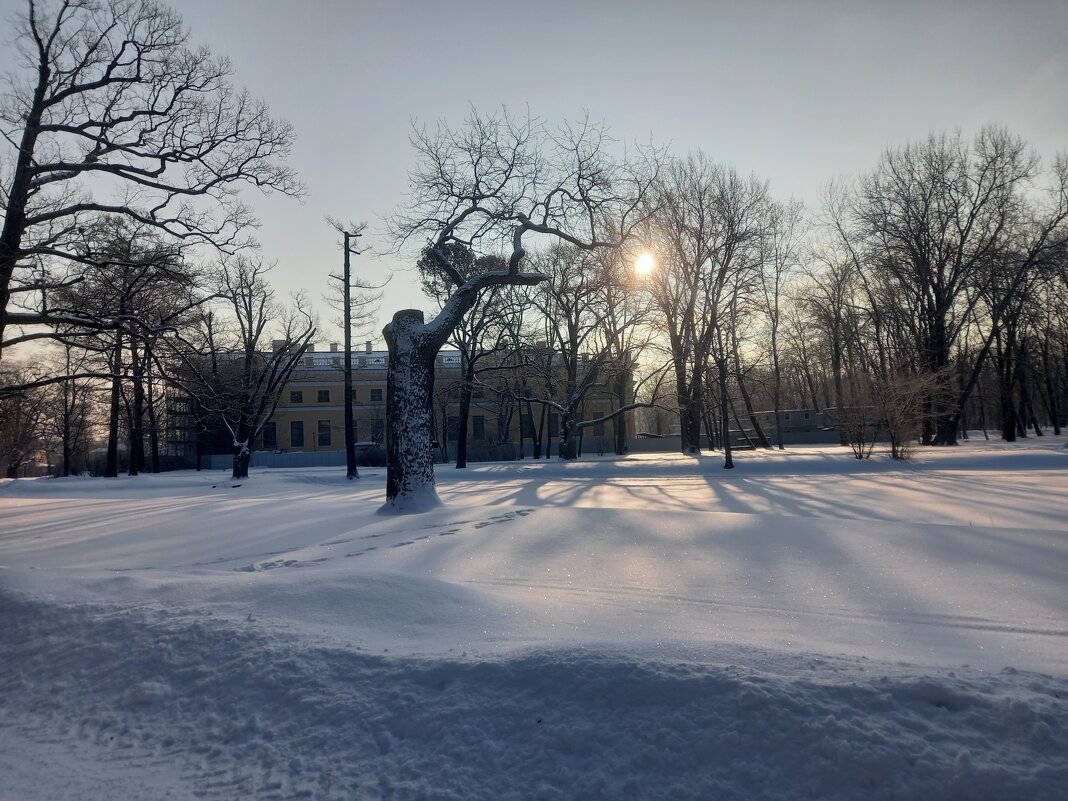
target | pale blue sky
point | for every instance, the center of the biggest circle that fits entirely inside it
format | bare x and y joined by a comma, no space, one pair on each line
797,92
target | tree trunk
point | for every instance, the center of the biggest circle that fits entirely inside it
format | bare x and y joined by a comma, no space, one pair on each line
777,394
747,400
443,434
242,457
690,406
153,424
1051,391
1006,385
1027,410
1008,413
111,469
409,415
741,429
758,429
711,431
619,425
945,412
17,197
465,413
198,443
68,406
137,412
839,391
728,459
568,436
536,431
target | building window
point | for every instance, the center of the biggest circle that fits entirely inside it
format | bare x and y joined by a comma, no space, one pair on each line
786,416
806,415
324,396
324,433
554,425
452,430
376,396
527,426
355,430
378,431
270,437
296,433
598,428
478,426
296,397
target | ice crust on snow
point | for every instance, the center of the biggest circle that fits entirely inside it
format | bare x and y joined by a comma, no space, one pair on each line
807,628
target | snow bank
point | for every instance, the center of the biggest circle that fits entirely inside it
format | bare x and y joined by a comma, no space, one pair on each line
219,711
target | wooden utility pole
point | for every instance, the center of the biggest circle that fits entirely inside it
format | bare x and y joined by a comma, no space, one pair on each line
350,444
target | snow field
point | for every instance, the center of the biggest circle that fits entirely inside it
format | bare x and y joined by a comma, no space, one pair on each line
808,627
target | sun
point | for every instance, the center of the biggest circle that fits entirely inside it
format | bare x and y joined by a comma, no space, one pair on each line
645,264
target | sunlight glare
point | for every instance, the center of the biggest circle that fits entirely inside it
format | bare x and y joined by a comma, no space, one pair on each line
645,264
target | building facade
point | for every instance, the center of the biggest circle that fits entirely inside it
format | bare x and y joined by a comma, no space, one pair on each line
310,412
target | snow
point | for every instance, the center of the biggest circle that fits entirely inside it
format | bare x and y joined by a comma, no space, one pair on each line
805,626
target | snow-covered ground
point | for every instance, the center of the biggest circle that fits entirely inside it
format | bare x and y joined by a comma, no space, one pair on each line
804,627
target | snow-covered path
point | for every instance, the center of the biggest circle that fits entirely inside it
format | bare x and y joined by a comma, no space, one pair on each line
804,627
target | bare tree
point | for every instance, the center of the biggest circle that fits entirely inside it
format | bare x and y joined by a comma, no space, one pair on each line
115,116
930,218
482,335
238,366
500,180
709,221
23,417
778,261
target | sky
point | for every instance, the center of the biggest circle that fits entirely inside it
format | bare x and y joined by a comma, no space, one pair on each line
794,92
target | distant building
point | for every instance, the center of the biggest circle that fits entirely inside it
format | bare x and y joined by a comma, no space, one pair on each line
310,412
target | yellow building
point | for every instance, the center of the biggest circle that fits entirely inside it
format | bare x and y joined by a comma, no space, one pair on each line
310,413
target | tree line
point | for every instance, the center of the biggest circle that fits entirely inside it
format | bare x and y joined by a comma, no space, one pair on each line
919,300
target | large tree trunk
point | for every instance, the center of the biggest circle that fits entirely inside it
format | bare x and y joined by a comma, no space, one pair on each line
409,415
690,406
569,442
16,200
242,457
